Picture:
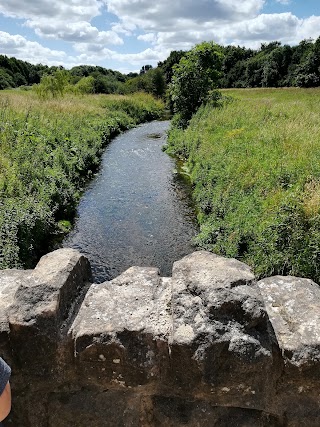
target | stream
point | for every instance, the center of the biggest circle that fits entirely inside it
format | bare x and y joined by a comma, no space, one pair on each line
137,210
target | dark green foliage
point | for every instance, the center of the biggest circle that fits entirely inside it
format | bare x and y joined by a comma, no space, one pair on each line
272,65
6,80
15,73
194,78
150,81
105,80
168,65
145,69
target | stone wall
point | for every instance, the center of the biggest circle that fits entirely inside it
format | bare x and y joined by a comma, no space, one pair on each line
208,346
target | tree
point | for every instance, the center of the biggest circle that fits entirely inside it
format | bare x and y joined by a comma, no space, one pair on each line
308,72
54,85
158,82
85,85
168,64
145,69
6,80
194,78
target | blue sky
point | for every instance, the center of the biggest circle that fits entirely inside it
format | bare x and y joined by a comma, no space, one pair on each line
126,34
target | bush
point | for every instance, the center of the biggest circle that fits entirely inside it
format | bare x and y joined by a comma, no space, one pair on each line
194,78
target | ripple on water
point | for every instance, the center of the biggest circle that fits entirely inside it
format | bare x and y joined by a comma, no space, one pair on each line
136,211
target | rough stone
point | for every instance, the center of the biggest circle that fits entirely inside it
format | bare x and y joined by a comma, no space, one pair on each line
179,412
221,333
293,305
116,408
207,347
10,280
121,326
42,303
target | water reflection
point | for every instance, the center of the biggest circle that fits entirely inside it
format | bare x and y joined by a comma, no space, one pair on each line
137,210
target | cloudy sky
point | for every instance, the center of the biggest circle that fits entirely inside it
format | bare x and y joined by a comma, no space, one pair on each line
126,34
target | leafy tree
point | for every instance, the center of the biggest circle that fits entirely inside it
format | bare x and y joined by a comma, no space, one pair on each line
194,79
233,67
105,84
308,72
85,85
19,79
158,82
152,82
168,64
53,85
6,81
145,69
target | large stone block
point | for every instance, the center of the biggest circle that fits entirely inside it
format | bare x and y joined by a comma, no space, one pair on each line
221,343
122,329
293,306
42,303
10,280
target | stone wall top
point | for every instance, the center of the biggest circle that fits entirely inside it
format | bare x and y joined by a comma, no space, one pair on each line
208,337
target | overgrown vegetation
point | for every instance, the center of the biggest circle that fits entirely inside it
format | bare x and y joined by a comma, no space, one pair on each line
48,150
254,164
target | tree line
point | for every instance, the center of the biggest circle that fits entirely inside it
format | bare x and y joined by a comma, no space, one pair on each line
272,65
16,73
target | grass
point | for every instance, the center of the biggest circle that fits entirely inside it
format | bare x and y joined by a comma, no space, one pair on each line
255,167
48,151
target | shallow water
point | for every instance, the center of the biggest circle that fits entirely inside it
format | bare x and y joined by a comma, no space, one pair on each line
137,210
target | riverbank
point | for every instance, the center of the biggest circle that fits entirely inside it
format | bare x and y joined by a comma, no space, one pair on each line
48,151
254,164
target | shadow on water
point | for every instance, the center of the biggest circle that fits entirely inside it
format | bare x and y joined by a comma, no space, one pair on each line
137,211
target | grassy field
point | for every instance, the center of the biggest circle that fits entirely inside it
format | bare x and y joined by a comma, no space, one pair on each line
255,167
48,151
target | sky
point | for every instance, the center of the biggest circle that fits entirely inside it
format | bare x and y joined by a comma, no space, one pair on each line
124,35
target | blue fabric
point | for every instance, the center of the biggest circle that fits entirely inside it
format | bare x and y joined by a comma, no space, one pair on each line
5,373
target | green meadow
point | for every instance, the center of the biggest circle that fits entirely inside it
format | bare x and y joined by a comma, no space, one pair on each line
254,163
48,151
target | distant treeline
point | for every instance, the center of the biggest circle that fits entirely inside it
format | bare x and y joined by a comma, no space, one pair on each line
273,65
17,73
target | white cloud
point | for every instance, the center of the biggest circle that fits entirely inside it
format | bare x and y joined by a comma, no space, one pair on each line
60,9
80,31
283,1
125,28
150,37
164,15
309,28
19,47
264,27
59,19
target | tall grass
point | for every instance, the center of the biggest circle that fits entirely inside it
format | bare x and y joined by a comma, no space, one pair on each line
48,150
255,167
